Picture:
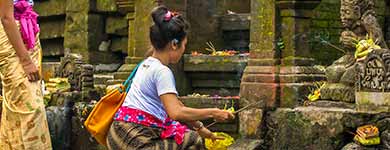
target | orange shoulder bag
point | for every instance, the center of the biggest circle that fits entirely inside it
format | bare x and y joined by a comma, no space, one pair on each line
102,115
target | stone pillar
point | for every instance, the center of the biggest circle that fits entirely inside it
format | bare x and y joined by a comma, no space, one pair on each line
387,23
140,27
83,30
297,73
279,71
139,43
260,78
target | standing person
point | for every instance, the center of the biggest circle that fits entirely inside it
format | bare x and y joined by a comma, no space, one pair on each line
152,116
23,123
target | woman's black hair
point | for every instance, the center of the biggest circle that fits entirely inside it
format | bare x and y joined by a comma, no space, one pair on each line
165,30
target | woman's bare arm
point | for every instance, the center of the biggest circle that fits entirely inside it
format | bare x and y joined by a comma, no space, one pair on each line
15,38
177,111
11,29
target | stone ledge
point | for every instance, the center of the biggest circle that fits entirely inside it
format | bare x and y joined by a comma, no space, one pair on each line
373,98
246,144
316,127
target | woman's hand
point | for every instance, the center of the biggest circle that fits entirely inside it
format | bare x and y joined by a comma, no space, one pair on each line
222,115
31,70
206,133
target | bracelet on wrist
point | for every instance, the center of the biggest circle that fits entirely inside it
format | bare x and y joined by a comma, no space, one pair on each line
199,127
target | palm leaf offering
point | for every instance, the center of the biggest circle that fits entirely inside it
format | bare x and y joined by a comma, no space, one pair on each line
367,135
364,47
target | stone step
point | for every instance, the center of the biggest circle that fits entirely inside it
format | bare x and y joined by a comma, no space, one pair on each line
114,81
102,68
102,78
133,60
121,75
127,67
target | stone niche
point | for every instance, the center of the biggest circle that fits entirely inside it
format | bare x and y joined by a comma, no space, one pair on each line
373,85
215,75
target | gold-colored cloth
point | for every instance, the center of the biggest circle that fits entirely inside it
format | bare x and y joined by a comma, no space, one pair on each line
23,122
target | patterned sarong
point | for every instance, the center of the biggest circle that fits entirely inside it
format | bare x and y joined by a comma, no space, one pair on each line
23,121
126,136
171,128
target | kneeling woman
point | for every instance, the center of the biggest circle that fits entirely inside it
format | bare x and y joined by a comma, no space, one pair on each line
152,117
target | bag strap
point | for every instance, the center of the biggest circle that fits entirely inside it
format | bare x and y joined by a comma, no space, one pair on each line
129,80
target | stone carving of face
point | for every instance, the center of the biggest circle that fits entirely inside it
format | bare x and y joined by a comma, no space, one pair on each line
349,13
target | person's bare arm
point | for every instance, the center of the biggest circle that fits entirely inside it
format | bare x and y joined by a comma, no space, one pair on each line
15,38
177,111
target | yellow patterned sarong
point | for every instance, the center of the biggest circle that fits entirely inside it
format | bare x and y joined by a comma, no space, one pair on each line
23,120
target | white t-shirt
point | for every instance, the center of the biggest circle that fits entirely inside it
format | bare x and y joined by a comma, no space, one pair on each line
151,80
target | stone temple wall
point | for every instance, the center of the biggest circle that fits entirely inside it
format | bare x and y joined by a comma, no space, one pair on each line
93,28
81,26
326,24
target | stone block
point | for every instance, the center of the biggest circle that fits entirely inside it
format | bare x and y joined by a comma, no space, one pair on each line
210,102
260,78
299,78
338,92
295,61
266,92
251,121
102,78
83,33
314,127
263,62
263,25
48,70
52,29
373,98
80,5
141,25
214,63
291,94
50,8
115,81
133,60
117,26
301,70
119,44
127,67
125,6
232,22
76,31
121,75
106,68
106,6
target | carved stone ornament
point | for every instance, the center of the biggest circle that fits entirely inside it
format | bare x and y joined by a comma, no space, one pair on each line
374,74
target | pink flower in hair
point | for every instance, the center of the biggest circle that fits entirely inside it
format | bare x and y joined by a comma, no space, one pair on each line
168,16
